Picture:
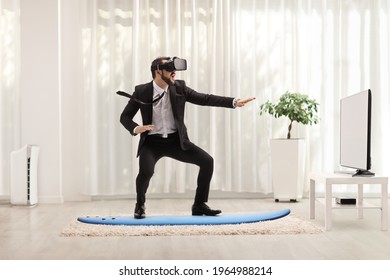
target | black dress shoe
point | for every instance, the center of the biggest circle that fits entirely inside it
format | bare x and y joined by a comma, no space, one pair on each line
202,209
139,212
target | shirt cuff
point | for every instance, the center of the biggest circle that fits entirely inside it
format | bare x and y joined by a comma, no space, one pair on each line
235,102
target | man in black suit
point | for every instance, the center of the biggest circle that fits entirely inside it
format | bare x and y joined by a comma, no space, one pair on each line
163,132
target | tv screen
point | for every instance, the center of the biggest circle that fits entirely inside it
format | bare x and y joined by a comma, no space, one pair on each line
355,132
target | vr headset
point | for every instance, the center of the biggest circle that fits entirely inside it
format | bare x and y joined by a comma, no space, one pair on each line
174,64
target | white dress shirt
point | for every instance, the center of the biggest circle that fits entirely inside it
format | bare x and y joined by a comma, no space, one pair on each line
163,120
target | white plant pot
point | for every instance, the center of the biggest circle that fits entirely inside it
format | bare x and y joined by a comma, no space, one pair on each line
288,161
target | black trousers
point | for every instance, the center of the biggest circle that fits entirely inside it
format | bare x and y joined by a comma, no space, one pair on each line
156,147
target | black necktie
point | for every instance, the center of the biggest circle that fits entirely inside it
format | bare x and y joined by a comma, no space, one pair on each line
139,101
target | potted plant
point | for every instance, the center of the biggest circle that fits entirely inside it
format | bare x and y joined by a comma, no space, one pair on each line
287,154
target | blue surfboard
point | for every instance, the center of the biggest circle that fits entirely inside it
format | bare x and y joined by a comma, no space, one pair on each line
186,219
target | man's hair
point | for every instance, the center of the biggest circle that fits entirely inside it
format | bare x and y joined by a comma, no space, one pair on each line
158,61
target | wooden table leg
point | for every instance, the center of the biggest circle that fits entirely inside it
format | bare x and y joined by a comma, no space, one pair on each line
384,201
360,201
312,198
328,207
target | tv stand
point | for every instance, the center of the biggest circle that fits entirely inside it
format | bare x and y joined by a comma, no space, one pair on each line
357,173
329,180
363,173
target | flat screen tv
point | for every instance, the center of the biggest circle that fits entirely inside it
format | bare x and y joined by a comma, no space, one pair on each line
355,132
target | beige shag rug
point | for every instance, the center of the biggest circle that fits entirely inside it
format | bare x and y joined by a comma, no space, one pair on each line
288,225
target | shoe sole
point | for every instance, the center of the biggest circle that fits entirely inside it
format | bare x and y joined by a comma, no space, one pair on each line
204,214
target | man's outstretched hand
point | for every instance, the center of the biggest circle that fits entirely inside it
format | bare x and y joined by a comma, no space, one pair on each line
242,102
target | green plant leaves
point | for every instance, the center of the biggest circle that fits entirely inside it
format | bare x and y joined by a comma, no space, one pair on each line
295,106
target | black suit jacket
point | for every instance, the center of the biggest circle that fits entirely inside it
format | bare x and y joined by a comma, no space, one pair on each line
179,95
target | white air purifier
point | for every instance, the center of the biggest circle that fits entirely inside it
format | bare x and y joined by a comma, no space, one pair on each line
24,176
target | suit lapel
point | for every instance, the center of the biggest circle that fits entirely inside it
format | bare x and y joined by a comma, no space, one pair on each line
172,95
148,110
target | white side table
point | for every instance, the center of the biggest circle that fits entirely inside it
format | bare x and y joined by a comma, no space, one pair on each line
330,179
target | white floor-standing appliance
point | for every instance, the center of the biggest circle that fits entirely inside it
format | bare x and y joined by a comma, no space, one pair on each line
24,176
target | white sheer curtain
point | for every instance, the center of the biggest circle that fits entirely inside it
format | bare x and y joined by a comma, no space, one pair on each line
9,90
326,49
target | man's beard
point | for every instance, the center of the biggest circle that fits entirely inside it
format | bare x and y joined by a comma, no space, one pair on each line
168,80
